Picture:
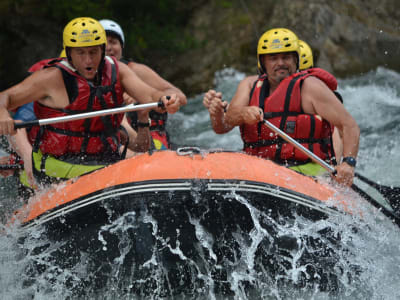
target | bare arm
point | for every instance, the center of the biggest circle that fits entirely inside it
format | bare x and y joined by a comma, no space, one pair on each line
138,141
317,98
150,77
46,86
20,143
239,112
142,92
216,108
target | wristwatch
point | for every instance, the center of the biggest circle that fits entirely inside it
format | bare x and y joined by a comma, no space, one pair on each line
351,161
142,124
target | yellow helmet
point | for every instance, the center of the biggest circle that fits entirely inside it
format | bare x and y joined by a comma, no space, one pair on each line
277,40
84,32
306,56
62,54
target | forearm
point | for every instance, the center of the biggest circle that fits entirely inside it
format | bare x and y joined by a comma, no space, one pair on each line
219,125
234,116
351,138
142,141
20,143
156,95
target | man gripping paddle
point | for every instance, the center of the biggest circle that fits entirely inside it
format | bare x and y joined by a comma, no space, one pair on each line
85,81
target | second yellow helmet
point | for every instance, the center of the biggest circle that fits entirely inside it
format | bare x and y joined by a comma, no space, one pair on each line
84,32
62,53
306,56
277,40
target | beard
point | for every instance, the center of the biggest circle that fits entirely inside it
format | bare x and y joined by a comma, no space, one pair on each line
281,76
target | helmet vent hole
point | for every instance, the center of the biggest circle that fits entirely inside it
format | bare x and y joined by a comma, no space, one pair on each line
73,40
285,39
97,38
288,45
83,24
94,31
264,47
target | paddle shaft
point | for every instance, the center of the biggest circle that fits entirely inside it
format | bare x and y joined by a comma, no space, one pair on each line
92,114
11,167
395,204
300,147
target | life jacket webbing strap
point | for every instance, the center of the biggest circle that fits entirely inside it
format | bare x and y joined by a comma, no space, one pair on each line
286,108
266,143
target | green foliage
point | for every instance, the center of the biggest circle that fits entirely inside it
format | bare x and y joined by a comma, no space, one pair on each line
225,3
148,25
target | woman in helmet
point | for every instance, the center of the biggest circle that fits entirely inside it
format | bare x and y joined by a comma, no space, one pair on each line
300,103
86,81
115,45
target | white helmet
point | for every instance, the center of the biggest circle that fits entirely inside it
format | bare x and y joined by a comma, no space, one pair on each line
113,27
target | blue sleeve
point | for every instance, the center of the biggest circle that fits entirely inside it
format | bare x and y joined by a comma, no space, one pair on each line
25,113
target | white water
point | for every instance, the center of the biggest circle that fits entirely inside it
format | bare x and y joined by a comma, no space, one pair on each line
373,99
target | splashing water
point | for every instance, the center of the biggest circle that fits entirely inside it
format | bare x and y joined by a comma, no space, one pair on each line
233,259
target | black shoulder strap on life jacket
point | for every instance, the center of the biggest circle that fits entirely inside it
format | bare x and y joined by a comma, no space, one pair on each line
286,113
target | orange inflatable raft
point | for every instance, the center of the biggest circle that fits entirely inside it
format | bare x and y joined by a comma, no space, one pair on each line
184,170
181,221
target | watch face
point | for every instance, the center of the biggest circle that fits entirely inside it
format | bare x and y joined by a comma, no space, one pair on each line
350,160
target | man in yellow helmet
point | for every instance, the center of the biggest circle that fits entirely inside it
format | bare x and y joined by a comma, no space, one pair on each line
86,81
299,103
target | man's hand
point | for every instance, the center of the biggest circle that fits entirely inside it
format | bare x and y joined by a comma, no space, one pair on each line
252,115
171,103
217,107
29,171
6,123
345,174
214,103
209,96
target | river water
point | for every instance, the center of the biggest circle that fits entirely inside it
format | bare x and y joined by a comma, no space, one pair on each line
374,101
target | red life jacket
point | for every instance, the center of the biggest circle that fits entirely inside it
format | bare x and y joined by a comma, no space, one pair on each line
283,109
41,64
91,136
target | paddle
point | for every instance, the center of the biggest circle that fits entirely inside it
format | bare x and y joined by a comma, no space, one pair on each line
99,113
92,114
393,215
11,167
392,194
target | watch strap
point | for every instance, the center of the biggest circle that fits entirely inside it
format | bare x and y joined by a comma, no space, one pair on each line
143,124
351,161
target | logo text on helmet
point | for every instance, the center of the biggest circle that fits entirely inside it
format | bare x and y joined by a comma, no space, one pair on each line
85,36
276,41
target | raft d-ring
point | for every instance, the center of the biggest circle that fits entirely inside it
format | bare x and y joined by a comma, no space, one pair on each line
188,151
